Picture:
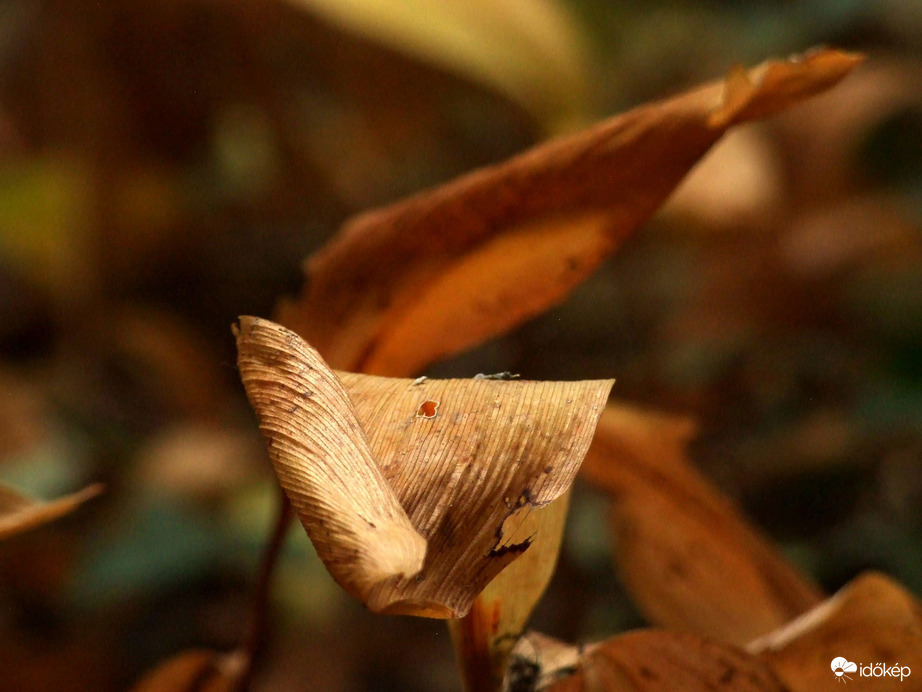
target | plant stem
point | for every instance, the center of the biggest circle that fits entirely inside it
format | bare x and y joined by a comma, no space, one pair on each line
472,640
484,639
259,609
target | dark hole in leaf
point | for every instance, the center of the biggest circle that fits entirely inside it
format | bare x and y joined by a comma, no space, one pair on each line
427,409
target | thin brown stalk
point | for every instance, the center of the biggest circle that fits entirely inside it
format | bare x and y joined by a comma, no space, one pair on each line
256,626
470,636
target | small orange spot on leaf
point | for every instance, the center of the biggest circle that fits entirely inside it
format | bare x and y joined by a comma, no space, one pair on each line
427,409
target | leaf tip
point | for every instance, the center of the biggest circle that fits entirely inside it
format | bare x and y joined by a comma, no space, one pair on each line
778,84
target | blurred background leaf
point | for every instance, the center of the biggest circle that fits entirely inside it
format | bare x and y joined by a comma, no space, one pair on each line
530,50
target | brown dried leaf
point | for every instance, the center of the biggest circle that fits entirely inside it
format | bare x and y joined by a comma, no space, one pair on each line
680,541
321,457
397,468
644,661
194,671
538,661
777,85
871,620
20,513
432,275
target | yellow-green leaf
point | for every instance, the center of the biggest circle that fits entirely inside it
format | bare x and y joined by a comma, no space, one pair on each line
529,50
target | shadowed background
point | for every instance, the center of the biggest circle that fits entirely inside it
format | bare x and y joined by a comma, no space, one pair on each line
165,166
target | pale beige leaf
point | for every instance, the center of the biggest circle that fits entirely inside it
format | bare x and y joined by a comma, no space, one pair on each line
403,286
643,661
20,513
468,460
873,620
322,460
529,50
679,542
196,670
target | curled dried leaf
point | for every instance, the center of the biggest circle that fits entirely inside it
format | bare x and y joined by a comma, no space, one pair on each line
20,513
194,671
680,541
363,468
321,457
871,620
641,661
449,268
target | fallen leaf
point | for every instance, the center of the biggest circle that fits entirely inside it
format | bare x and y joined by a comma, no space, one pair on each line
872,620
432,275
20,513
529,50
378,487
679,541
194,671
641,661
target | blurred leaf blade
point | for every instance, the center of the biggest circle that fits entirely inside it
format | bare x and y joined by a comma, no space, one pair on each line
19,513
495,247
43,214
649,660
679,540
529,50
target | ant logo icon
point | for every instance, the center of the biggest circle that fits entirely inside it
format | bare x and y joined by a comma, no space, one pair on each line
841,666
